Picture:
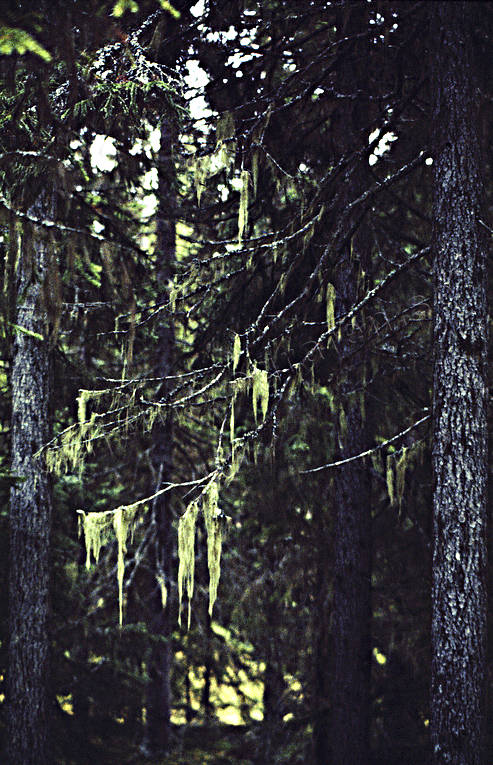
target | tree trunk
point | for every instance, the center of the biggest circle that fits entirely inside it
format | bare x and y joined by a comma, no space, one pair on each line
30,511
459,398
351,607
158,691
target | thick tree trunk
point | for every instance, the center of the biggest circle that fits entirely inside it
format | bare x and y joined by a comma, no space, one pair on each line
351,607
459,398
30,512
158,690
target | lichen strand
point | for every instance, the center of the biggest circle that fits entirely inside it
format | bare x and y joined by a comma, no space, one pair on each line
82,400
236,352
99,528
390,479
75,440
400,475
214,539
201,169
232,424
123,522
164,590
260,391
331,301
243,209
186,556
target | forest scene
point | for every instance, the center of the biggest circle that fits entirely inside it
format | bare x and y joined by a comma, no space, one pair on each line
244,323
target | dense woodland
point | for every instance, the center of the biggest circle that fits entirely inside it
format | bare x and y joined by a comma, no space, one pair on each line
244,365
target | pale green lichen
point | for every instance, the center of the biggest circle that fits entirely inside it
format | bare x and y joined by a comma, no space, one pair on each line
255,166
201,169
186,556
243,208
331,301
400,475
390,480
342,422
260,391
236,352
163,589
214,539
377,462
77,440
225,145
99,528
186,546
232,424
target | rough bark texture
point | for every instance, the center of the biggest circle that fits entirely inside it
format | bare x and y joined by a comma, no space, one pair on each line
459,399
30,513
159,665
351,607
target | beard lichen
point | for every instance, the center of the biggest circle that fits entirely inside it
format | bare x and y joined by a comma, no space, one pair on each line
99,528
243,209
390,479
331,301
400,475
214,539
260,391
186,546
186,556
76,440
163,589
236,352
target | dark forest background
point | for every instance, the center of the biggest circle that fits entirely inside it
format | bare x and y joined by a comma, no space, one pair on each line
244,328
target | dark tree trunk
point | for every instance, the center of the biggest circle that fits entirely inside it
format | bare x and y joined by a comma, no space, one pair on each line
159,665
30,511
351,607
459,398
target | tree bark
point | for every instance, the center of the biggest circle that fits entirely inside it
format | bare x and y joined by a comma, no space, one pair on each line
158,690
459,398
30,510
351,607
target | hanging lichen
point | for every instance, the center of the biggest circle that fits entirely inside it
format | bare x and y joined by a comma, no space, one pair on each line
236,352
342,423
123,522
99,528
243,209
214,539
225,128
260,391
255,161
331,301
308,236
232,424
225,145
163,589
400,475
186,556
377,462
390,479
201,168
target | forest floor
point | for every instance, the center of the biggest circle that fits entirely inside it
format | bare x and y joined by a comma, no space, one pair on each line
219,743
